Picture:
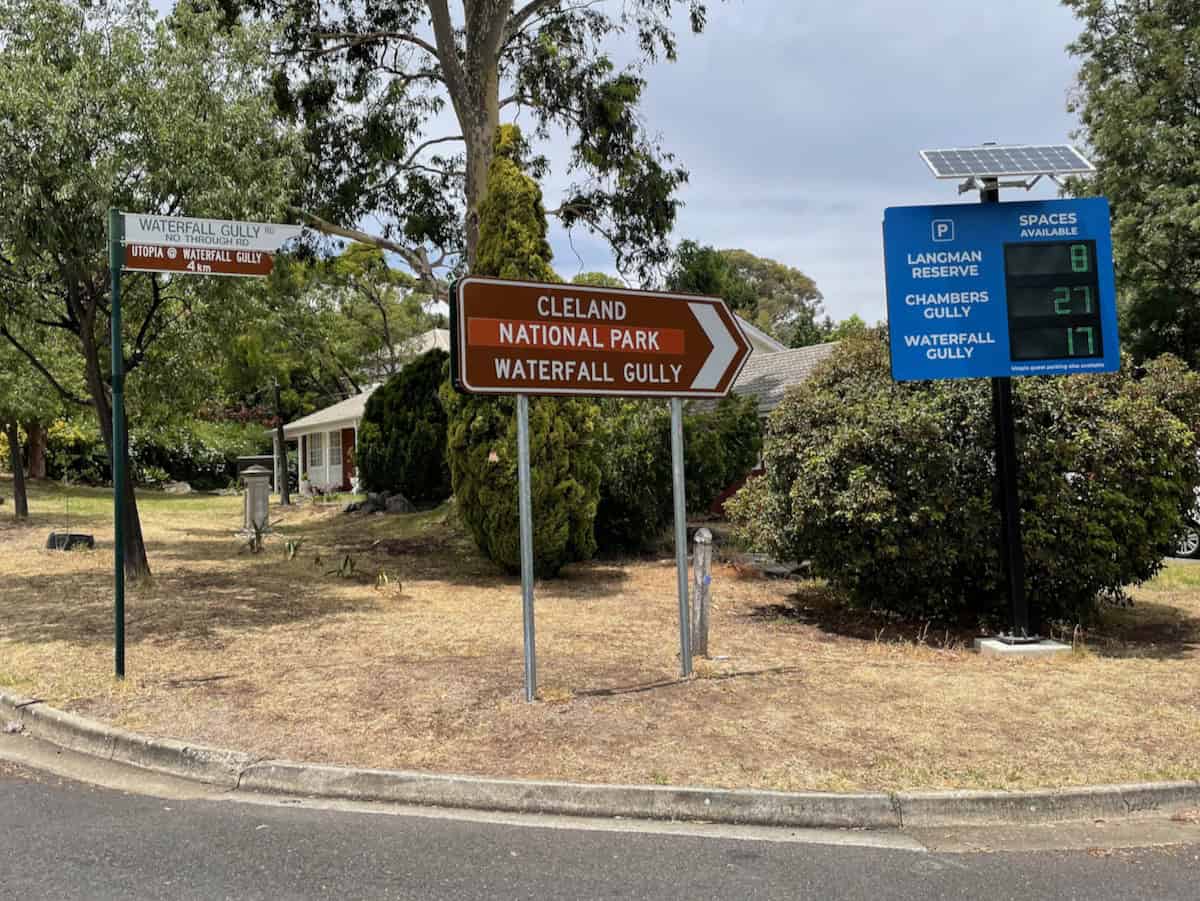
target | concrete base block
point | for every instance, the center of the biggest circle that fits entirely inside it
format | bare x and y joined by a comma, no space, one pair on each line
1045,648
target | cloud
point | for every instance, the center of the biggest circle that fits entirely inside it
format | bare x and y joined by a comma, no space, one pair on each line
801,122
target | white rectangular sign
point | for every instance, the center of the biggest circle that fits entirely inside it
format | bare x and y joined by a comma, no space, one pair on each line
181,231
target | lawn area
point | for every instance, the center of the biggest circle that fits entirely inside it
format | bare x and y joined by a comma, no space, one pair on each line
286,658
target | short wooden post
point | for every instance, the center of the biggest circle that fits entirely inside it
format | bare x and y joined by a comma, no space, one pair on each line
701,591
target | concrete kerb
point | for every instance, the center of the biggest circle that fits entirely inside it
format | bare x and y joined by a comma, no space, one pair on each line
869,810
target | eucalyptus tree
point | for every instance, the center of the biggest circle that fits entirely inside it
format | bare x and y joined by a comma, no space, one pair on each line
1138,101
105,105
402,101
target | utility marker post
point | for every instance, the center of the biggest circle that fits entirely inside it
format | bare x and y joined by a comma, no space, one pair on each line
681,564
116,261
525,512
701,590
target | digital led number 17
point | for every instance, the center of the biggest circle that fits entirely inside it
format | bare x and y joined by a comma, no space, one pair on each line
1091,339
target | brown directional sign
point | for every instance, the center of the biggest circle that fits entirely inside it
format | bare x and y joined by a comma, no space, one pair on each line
197,260
530,338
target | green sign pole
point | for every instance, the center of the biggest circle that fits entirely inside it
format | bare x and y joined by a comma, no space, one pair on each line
116,233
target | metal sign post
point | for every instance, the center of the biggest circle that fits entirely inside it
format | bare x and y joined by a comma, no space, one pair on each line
115,235
678,488
1012,551
523,338
525,513
181,246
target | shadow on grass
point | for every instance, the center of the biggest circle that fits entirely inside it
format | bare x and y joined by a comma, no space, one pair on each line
643,687
1146,630
77,607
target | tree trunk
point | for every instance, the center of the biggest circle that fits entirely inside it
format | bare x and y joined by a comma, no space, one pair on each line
479,140
20,500
136,565
285,496
36,449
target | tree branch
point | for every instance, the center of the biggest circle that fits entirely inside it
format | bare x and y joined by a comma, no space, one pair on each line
412,157
518,19
355,39
37,364
156,291
416,259
447,53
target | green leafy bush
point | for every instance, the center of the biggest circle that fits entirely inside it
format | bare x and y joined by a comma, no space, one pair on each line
888,488
402,439
204,454
720,447
565,476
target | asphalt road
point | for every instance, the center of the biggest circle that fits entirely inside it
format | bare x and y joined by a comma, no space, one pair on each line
62,839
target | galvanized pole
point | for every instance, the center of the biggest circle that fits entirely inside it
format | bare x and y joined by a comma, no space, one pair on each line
1012,553
525,512
115,263
681,562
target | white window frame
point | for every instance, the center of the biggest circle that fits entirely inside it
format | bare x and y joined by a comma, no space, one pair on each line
335,442
316,450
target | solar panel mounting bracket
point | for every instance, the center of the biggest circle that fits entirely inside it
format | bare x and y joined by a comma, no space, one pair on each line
974,184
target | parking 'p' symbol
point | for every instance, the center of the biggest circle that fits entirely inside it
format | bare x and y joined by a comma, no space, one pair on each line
943,229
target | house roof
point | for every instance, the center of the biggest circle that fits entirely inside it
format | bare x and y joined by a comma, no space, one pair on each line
350,409
767,377
760,340
419,344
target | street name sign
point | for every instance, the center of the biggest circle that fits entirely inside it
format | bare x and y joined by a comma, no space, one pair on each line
144,242
225,234
512,337
197,260
1000,289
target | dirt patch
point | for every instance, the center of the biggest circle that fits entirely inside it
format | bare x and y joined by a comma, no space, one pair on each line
423,670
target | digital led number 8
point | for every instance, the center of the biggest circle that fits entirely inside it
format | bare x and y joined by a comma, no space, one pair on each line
1079,258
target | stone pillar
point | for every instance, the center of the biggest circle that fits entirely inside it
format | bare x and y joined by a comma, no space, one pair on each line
258,497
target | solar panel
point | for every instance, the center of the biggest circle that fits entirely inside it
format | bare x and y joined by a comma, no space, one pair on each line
997,161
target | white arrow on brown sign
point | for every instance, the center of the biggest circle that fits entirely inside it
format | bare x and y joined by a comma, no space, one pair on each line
514,337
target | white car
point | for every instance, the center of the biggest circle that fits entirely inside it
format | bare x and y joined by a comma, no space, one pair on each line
1189,542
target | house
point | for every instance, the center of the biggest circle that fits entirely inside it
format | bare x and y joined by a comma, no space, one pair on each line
326,440
767,377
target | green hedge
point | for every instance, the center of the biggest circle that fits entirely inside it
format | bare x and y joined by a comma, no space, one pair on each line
888,488
720,445
402,439
203,454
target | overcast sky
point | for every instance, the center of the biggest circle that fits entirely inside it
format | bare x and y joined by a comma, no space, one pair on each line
800,120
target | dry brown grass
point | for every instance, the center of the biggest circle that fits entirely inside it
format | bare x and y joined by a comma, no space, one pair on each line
281,658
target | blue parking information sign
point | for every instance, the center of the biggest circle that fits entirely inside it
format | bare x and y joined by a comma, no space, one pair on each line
1000,289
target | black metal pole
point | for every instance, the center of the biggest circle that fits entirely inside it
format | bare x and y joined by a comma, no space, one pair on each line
1012,554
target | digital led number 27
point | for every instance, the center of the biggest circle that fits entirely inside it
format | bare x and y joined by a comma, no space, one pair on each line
1064,296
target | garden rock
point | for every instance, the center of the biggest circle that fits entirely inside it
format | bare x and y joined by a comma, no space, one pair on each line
177,488
352,507
398,503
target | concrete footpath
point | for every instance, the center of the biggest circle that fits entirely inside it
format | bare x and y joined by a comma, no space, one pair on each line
238,771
